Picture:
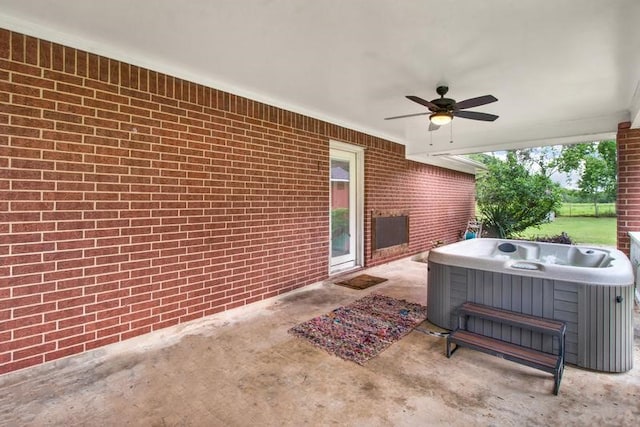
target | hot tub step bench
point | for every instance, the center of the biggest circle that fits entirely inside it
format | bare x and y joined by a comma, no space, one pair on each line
548,362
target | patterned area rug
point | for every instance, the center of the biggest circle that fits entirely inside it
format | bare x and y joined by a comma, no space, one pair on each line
362,281
363,329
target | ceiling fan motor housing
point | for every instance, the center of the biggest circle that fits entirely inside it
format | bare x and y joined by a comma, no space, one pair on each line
443,104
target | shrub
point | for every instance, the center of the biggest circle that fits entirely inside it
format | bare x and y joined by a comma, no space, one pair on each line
560,238
511,199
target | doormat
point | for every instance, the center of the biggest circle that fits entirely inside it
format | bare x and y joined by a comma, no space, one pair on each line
363,329
362,281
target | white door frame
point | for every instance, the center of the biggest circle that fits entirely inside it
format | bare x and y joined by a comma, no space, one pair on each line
358,201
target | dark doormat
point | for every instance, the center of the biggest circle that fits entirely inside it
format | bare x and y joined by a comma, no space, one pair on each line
362,281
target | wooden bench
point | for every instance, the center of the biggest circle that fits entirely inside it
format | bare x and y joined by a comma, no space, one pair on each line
548,362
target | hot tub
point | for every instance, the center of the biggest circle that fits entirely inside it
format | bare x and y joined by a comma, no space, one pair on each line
588,288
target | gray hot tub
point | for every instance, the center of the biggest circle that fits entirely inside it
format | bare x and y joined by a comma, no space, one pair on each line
589,288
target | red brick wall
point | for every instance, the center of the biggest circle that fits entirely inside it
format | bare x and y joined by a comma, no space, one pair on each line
131,200
439,201
628,202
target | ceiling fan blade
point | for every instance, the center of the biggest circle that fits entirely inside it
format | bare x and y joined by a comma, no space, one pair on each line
475,102
433,127
430,105
474,115
406,115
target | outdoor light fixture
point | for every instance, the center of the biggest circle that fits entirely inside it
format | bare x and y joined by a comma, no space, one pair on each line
441,118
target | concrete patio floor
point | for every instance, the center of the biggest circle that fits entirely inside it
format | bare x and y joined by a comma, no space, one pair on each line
242,368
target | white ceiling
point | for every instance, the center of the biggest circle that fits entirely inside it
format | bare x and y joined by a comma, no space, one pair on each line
563,71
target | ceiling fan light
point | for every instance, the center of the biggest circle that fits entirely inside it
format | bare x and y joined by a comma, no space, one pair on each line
440,118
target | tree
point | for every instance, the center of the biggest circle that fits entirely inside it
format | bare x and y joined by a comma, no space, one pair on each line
597,165
543,160
511,199
608,151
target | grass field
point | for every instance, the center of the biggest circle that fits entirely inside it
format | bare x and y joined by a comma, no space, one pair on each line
586,209
583,230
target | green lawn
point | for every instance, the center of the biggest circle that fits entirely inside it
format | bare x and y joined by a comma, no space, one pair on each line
583,230
586,209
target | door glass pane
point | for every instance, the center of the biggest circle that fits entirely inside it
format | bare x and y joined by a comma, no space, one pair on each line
340,217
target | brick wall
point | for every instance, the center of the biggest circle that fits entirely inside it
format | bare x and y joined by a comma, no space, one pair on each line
628,201
131,200
439,201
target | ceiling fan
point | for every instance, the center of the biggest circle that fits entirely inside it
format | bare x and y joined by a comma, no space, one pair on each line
442,110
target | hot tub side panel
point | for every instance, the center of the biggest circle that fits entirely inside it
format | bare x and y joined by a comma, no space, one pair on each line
449,287
602,341
608,315
439,302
